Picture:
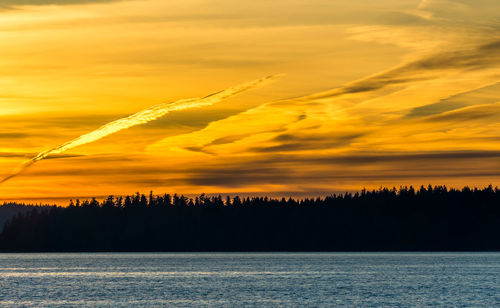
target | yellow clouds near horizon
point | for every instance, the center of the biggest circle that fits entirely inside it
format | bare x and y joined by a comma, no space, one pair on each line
138,118
385,93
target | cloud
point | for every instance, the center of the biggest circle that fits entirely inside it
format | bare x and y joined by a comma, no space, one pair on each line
395,124
29,155
151,114
285,13
328,169
486,55
14,155
470,11
480,57
468,114
289,142
481,96
13,135
363,158
294,172
142,117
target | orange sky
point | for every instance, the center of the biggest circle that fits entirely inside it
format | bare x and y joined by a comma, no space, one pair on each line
386,92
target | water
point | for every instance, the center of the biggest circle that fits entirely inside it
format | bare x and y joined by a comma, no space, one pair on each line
248,279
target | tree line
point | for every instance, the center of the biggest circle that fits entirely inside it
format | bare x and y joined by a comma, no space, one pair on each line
10,209
405,219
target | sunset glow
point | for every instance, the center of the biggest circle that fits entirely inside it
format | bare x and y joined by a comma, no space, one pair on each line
382,93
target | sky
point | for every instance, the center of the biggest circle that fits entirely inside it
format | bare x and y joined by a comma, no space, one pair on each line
370,94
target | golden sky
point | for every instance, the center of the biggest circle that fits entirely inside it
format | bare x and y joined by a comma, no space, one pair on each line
374,93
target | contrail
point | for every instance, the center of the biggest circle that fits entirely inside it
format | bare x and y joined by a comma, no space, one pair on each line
141,117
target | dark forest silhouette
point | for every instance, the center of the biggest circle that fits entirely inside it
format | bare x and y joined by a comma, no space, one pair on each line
10,209
408,219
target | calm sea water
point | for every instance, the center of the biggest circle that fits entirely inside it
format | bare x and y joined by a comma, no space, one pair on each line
248,279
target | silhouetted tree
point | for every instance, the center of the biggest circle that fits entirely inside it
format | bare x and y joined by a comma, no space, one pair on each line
428,218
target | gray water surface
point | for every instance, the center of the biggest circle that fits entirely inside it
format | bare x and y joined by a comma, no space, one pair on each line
251,279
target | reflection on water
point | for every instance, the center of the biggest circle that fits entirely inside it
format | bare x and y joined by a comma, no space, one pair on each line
250,279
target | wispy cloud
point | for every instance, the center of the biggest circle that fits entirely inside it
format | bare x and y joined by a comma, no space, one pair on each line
142,117
483,56
468,114
386,92
481,96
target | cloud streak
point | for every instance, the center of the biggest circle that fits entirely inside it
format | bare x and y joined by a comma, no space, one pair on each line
142,117
482,56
